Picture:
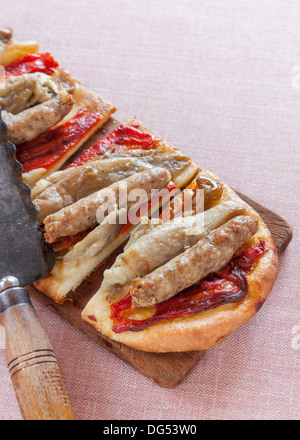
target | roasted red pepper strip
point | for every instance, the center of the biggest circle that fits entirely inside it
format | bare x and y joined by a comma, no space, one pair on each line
146,208
225,286
122,138
64,244
30,63
48,148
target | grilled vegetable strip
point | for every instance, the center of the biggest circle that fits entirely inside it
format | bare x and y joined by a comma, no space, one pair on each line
82,214
166,241
81,260
183,169
63,188
209,255
31,122
17,93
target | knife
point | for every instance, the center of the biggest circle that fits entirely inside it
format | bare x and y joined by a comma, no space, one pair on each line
24,258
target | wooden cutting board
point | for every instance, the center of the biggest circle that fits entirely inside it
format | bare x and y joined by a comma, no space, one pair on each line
167,369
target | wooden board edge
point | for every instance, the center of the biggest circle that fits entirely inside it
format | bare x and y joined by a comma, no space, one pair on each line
280,228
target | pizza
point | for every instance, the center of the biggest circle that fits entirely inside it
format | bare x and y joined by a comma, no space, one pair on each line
193,260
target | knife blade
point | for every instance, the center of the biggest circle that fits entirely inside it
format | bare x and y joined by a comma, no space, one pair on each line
24,258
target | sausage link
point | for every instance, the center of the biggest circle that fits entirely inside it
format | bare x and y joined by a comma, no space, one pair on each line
208,255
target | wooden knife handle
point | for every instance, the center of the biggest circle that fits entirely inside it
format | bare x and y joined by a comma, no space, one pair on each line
31,362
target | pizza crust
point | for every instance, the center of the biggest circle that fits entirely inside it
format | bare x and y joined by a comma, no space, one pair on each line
203,330
69,272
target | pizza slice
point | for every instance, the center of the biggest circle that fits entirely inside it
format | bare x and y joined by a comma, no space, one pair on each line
126,150
49,115
213,272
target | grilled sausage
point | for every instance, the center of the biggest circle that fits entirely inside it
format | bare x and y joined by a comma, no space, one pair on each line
83,214
166,241
63,188
209,255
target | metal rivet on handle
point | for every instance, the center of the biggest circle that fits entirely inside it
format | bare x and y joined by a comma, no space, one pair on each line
8,282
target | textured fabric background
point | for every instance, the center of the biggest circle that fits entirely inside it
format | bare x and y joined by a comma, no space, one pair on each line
219,80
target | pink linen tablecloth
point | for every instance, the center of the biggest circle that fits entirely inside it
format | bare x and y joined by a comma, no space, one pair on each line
220,80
